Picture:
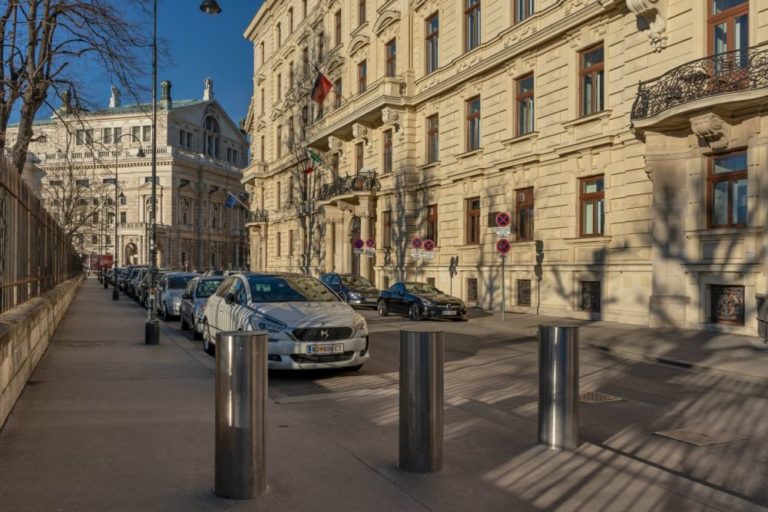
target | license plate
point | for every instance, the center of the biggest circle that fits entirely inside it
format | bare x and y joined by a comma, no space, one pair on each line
450,313
325,349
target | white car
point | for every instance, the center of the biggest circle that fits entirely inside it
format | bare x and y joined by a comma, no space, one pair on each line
308,325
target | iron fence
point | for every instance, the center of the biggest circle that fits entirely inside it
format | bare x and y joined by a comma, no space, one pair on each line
35,254
342,185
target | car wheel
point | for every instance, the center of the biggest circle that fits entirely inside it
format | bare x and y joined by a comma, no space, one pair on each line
209,347
382,307
414,313
184,324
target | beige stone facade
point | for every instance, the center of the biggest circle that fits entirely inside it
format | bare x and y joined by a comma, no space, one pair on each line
200,157
647,199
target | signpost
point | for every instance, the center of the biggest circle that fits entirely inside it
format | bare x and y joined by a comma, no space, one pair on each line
503,246
359,246
428,246
452,269
416,244
370,248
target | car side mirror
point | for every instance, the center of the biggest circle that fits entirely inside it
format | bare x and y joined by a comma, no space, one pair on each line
229,298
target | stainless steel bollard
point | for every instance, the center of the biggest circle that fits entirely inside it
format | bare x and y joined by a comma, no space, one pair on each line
559,385
241,394
421,400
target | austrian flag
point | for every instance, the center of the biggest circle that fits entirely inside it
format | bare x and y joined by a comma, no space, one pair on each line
321,88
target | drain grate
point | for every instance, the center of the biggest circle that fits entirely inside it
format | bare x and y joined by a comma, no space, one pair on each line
696,438
595,397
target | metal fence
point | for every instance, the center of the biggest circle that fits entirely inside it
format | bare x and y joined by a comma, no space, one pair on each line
35,254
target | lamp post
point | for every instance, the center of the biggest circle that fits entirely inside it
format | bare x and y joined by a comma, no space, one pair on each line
151,326
121,197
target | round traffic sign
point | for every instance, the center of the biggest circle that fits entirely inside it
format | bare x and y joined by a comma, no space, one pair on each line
359,243
503,246
370,243
429,245
416,243
503,219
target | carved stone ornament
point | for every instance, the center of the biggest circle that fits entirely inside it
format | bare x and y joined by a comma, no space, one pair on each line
653,12
360,132
391,116
357,44
335,143
386,19
713,130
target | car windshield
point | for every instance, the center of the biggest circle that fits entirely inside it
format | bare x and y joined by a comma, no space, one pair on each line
355,281
289,289
424,288
178,282
207,288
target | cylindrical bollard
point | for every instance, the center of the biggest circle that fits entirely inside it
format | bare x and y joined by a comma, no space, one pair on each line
559,385
241,398
421,400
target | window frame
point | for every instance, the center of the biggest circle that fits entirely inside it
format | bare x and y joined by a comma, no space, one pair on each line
595,197
432,223
472,19
592,72
361,12
524,201
525,125
472,221
387,139
359,157
729,16
390,57
337,93
528,10
386,227
337,26
472,124
432,125
432,44
730,177
362,76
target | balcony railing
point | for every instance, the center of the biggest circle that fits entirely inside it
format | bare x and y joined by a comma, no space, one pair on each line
345,185
739,70
257,216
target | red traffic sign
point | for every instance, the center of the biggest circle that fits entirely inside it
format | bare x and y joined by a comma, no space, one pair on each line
503,219
370,243
429,245
359,243
503,246
416,243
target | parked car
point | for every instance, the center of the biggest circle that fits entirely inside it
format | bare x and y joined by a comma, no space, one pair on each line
130,282
170,288
194,301
420,301
308,325
352,288
214,272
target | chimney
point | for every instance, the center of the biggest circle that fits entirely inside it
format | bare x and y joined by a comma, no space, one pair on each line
165,98
114,99
208,90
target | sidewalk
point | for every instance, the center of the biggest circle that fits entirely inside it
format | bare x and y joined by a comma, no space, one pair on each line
110,424
728,354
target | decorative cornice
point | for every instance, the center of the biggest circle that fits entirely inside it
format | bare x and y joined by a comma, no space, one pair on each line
386,19
358,43
653,13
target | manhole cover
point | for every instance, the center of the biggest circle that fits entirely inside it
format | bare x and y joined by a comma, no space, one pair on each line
696,438
595,397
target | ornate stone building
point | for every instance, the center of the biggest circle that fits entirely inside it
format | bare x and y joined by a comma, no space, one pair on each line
628,136
200,157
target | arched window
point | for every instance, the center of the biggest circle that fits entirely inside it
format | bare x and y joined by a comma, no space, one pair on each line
211,137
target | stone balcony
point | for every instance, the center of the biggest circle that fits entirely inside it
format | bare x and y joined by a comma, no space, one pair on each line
257,217
727,82
344,188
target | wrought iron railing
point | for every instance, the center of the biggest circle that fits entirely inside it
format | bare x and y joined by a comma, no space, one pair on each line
35,253
739,70
257,216
342,185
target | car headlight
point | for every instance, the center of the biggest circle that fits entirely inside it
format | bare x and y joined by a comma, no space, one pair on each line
354,295
264,324
425,302
360,325
176,301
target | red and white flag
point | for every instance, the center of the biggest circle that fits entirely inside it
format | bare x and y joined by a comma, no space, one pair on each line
321,88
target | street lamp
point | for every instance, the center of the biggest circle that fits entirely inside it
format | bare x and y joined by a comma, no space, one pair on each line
152,326
140,154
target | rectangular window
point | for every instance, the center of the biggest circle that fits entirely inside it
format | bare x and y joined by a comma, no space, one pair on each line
362,76
386,230
279,87
182,137
335,164
279,141
261,147
106,135
523,9
727,190
523,292
471,24
472,221
432,223
279,35
262,96
135,133
433,138
290,243
390,51
146,133
728,27
592,80
123,217
94,239
525,107
279,243
473,124
337,25
303,8
524,214
590,296
108,239
117,134
727,304
432,42
591,199
359,156
472,289
278,195
387,151
290,76
337,93
361,12
320,46
290,20
291,133
431,281
290,190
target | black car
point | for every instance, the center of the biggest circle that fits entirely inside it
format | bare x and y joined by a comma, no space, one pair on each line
355,289
420,300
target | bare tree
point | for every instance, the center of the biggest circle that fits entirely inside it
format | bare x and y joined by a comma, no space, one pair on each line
48,44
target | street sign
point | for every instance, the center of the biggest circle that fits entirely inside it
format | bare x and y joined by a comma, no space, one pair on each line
416,254
369,252
503,219
359,243
503,246
503,232
428,255
370,243
358,251
416,243
429,245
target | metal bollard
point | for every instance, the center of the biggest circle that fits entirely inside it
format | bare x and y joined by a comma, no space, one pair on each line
421,400
241,394
559,385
